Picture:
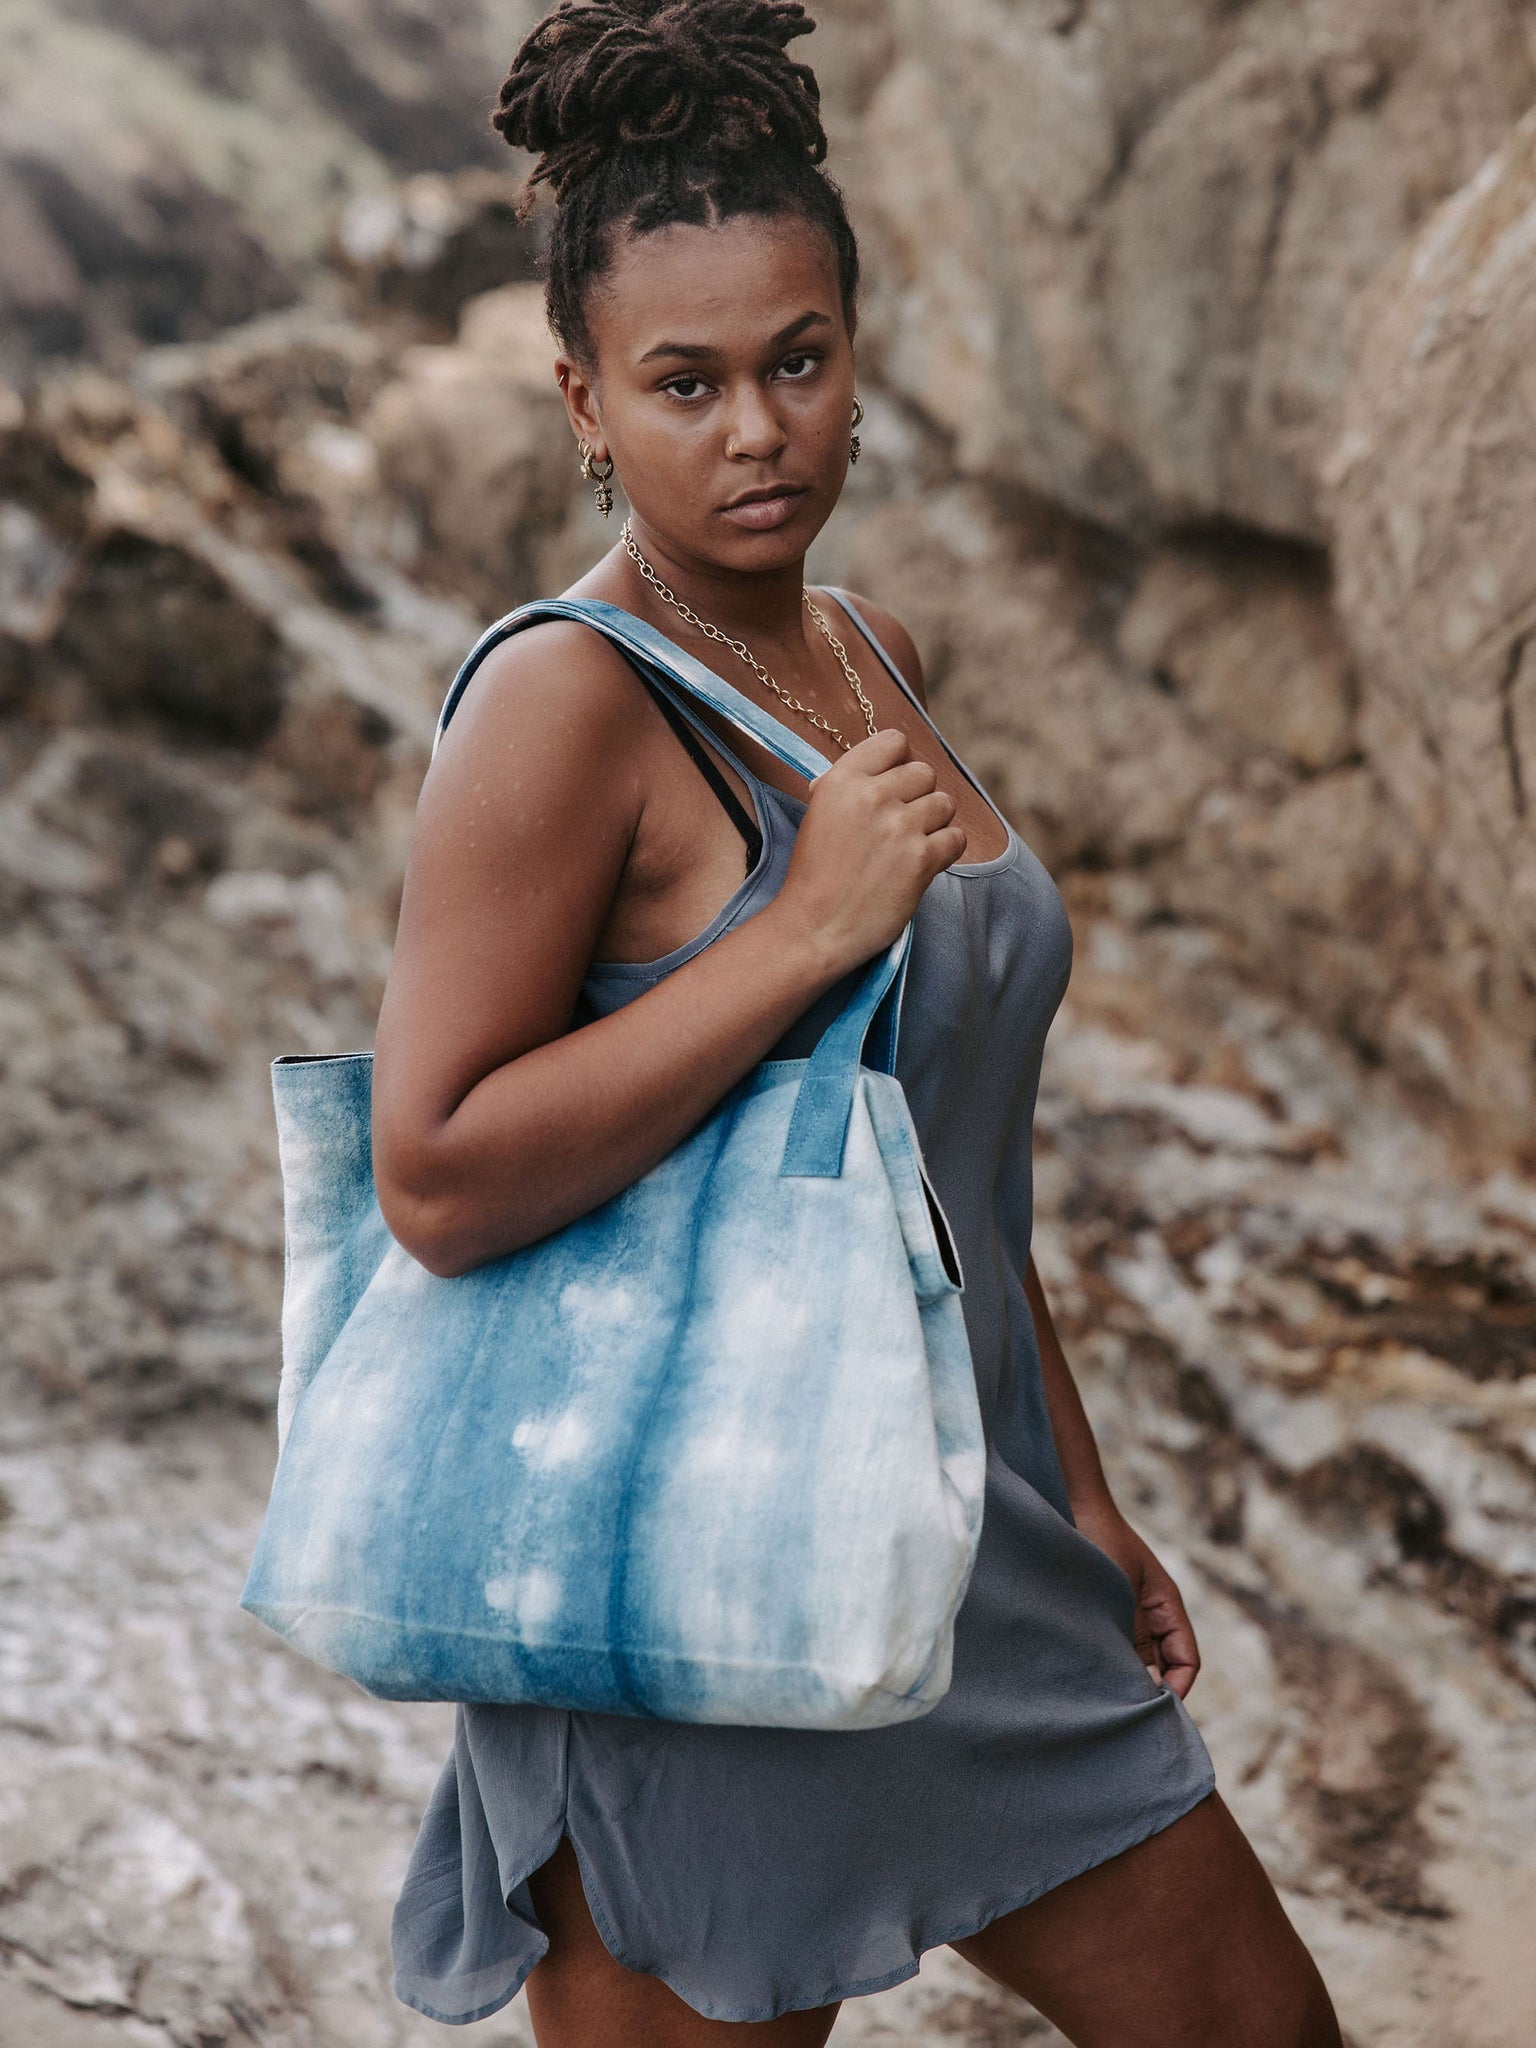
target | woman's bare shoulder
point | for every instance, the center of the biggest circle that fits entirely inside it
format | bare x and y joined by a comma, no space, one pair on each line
544,759
896,640
558,683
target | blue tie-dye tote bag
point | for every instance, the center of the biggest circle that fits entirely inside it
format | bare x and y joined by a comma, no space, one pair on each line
710,1453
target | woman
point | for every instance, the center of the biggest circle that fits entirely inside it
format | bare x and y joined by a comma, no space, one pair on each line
661,1885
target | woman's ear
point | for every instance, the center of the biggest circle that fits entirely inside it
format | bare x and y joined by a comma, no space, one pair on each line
576,388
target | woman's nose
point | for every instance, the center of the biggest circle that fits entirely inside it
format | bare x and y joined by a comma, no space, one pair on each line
755,431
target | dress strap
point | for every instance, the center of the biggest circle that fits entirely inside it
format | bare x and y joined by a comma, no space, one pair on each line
868,631
918,706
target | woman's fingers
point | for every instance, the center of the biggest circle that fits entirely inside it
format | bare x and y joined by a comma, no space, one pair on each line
888,755
910,779
876,832
948,845
933,811
1181,1659
880,751
1146,1645
1161,1611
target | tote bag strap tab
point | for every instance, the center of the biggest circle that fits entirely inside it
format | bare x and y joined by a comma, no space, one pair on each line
818,1126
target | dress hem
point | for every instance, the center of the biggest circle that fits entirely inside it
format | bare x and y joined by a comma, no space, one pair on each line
1139,1831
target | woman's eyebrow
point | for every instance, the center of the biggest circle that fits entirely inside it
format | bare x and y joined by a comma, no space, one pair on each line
701,352
797,327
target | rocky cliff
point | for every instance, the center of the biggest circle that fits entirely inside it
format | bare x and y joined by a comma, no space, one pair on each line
1195,355
1141,265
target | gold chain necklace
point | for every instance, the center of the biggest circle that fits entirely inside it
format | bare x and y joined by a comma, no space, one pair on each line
740,647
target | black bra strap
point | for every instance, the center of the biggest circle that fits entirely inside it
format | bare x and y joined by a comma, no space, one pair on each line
745,825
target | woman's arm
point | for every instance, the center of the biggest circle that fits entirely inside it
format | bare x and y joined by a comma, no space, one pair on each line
1164,1634
494,1122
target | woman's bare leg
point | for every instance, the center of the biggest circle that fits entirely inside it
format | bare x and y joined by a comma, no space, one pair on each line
579,1997
1180,1940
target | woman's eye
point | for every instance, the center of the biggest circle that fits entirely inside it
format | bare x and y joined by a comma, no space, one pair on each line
685,387
801,364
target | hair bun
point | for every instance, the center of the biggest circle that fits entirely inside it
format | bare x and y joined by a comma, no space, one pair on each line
597,75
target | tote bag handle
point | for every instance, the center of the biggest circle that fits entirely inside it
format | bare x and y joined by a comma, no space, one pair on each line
656,651
818,1128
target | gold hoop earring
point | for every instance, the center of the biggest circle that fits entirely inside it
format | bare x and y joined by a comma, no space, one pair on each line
858,421
598,478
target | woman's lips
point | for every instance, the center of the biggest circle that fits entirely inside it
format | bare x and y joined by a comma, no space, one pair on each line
761,515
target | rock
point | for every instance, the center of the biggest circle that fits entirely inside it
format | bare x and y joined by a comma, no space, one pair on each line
188,713
1247,638
1128,240
306,918
1113,254
15,670
93,259
150,971
1095,764
164,1898
56,492
1325,1453
155,628
1432,486
928,315
436,242
475,447
282,399
1232,1230
200,1840
34,567
336,751
170,167
295,539
1186,723
1330,901
42,294
124,799
260,391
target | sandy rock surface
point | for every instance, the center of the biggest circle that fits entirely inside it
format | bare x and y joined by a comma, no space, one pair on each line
1431,478
1189,720
168,169
1120,243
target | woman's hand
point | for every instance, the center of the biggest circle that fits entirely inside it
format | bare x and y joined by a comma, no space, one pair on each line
875,833
1165,1637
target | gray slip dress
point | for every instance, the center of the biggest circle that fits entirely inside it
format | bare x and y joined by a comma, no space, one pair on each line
762,1870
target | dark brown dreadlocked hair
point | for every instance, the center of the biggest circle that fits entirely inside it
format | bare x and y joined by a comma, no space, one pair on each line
645,113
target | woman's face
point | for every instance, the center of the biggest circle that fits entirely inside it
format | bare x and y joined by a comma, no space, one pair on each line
722,387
